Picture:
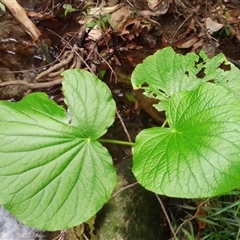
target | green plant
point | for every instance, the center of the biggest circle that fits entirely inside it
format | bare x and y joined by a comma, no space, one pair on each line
68,9
56,174
220,217
101,22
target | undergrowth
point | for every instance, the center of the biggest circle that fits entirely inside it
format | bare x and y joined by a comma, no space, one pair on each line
213,219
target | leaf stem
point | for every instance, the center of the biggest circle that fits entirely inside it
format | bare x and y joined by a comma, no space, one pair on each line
164,124
116,142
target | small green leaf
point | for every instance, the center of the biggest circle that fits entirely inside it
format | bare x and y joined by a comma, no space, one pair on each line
68,9
166,72
109,20
130,97
91,24
54,173
198,155
102,73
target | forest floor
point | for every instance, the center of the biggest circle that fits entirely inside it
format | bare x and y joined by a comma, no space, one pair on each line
110,39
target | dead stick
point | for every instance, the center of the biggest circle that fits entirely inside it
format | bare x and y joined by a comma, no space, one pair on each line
19,13
56,66
32,85
167,217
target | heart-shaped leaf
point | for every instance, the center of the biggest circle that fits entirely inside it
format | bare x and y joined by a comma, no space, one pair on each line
198,155
166,72
54,173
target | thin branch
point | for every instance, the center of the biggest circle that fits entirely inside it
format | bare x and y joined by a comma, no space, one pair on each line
112,71
32,85
86,238
124,127
82,28
124,188
191,218
166,215
58,65
175,33
20,14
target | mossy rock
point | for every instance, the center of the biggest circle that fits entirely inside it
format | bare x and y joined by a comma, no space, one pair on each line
133,214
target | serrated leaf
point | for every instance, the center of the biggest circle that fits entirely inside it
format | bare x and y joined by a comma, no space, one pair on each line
92,108
54,173
198,155
166,72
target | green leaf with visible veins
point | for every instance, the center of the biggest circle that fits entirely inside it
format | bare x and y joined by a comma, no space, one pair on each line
54,173
166,72
198,155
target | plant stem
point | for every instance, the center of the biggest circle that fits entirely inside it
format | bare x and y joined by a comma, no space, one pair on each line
165,122
116,142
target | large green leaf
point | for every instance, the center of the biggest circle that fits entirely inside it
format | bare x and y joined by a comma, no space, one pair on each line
198,155
54,174
166,72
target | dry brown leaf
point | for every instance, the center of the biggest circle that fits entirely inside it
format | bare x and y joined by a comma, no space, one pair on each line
103,11
234,12
201,224
159,6
210,47
40,16
188,43
135,28
164,41
212,26
95,34
197,45
119,18
153,4
35,14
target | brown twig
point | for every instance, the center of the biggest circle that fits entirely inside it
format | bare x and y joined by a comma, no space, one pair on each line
191,218
64,62
69,45
189,17
112,71
167,217
206,32
33,85
124,127
20,14
124,188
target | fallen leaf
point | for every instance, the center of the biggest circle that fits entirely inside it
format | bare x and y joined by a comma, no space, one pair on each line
210,47
188,43
153,4
235,12
119,18
132,27
212,26
201,214
197,45
201,224
95,34
164,41
34,14
103,11
159,6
